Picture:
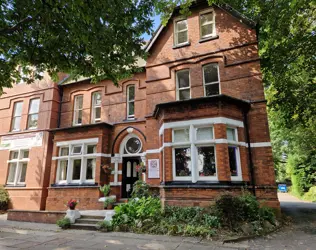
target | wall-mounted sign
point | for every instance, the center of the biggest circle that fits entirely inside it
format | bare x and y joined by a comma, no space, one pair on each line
27,140
153,169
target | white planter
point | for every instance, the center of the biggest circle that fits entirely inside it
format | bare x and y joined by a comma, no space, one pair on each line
103,199
72,215
109,214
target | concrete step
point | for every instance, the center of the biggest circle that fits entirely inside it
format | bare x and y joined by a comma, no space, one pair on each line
90,227
93,217
88,221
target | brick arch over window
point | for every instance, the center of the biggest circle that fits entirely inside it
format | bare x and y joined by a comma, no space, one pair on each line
122,134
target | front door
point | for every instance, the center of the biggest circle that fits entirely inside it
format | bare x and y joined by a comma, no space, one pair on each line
130,176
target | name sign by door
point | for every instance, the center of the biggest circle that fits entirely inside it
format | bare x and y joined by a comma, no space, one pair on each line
153,169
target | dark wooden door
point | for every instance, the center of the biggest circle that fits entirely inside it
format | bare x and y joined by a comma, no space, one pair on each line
130,176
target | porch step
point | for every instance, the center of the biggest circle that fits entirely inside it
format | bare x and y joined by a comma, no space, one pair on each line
88,221
91,227
92,217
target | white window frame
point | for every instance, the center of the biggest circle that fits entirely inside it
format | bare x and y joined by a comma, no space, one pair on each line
234,143
95,106
177,84
19,164
176,31
210,83
193,143
35,113
76,111
14,116
209,23
128,101
83,156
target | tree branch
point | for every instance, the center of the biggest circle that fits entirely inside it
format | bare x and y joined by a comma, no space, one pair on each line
9,30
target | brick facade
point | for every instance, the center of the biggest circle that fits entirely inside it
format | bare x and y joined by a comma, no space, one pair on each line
240,104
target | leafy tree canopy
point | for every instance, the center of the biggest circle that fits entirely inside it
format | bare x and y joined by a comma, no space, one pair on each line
98,38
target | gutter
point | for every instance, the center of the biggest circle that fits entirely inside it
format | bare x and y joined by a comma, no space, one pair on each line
251,166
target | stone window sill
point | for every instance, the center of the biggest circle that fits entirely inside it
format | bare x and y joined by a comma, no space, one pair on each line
181,45
14,186
203,40
85,185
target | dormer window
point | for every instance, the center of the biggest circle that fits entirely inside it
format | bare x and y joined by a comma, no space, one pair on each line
181,32
207,24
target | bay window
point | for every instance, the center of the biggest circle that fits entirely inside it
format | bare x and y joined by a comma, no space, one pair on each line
32,119
96,107
194,155
76,164
78,108
233,154
211,79
17,167
183,84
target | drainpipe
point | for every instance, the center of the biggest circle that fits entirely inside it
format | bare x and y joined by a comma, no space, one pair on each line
61,92
253,179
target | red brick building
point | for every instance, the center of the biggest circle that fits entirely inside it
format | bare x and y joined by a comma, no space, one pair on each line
195,115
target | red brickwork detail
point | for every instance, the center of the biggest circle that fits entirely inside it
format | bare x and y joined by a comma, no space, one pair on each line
87,198
35,216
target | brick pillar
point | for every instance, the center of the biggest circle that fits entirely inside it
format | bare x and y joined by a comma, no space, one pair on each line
222,163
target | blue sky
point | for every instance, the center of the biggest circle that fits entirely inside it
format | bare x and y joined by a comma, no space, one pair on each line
156,24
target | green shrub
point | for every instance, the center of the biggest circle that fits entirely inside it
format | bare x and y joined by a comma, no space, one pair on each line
63,223
310,195
105,225
4,199
106,189
136,211
109,201
140,190
235,210
298,183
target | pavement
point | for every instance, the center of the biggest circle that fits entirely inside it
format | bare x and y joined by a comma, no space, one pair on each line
36,236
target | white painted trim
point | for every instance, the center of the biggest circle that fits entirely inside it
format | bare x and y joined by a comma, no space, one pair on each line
199,122
118,172
155,38
76,156
216,141
66,143
260,144
115,183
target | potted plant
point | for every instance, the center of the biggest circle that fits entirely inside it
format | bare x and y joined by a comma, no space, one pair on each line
140,168
107,169
71,204
108,203
106,190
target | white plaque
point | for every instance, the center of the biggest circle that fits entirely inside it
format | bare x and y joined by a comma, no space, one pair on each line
27,140
153,169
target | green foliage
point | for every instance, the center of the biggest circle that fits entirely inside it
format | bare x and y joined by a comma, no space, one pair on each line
235,210
146,216
4,199
106,189
109,201
63,223
105,225
93,38
310,195
140,189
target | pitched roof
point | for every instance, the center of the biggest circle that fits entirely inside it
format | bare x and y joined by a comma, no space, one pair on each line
242,18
